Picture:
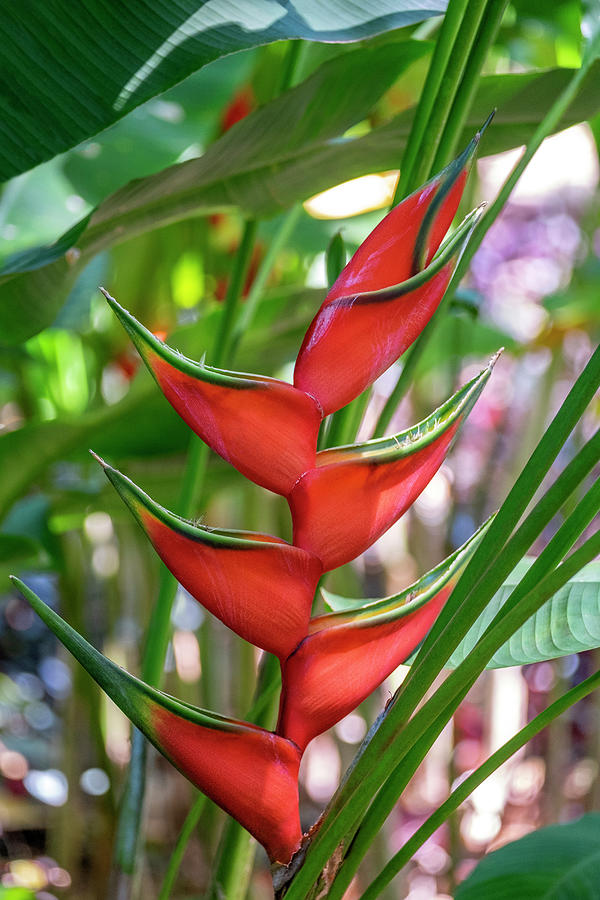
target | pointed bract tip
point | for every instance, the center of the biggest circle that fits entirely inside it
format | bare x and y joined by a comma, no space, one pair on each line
495,358
481,131
107,296
99,459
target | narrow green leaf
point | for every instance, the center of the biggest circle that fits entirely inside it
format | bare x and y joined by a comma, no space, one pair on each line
335,257
474,779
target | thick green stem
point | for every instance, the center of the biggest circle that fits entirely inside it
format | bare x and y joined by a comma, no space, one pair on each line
255,293
466,788
464,44
469,83
442,53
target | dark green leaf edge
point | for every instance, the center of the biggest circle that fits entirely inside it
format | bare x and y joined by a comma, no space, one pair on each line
228,539
388,449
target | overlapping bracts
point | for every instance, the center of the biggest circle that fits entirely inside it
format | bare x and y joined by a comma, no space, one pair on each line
341,501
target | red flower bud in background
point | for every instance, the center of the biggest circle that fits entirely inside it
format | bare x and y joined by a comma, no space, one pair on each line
355,493
258,585
250,772
348,653
241,104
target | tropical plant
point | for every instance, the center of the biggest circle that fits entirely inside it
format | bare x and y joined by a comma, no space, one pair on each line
486,605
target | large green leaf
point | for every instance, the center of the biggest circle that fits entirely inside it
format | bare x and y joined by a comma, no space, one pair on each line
568,623
234,171
68,76
561,862
282,153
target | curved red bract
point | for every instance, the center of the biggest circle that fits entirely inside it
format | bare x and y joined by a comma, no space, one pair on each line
268,431
340,509
252,774
336,364
336,668
262,593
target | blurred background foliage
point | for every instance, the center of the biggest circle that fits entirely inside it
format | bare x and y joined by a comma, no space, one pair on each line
74,382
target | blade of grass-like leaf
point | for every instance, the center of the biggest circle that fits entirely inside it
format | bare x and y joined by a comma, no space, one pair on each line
477,777
467,89
187,830
446,92
351,800
547,126
523,602
443,50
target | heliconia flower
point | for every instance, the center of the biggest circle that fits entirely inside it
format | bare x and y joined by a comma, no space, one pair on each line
355,493
258,585
266,428
348,653
249,772
388,291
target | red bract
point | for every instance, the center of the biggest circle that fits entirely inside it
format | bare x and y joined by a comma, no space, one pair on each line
250,772
347,654
389,290
355,493
258,585
264,427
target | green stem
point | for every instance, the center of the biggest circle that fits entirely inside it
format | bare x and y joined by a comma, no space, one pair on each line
188,828
466,788
469,83
442,53
463,46
249,308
